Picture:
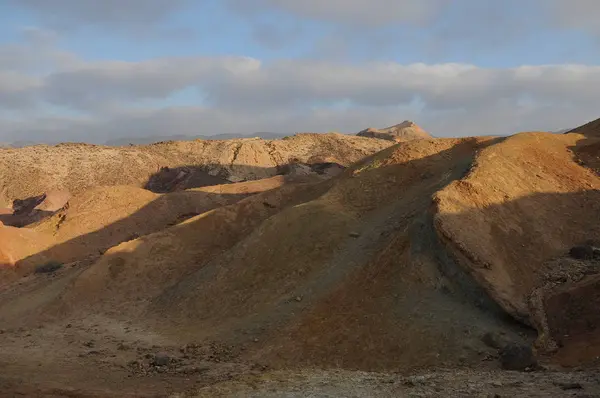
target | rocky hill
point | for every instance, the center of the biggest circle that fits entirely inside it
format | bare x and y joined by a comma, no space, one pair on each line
405,131
476,253
31,171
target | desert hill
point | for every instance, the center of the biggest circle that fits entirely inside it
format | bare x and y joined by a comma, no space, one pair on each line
31,171
476,253
103,217
404,131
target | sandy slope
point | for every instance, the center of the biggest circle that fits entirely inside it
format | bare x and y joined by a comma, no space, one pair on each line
103,217
524,202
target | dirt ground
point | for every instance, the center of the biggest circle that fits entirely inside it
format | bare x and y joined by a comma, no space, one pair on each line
101,358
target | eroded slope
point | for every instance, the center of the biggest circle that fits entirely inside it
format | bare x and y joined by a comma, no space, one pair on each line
524,202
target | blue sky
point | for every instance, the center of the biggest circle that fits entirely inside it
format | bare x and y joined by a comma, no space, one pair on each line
89,70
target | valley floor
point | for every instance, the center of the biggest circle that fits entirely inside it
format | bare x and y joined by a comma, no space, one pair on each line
101,358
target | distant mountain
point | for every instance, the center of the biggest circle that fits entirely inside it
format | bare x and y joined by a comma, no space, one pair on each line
404,131
20,144
179,137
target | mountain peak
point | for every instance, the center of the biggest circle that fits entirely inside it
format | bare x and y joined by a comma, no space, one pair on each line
405,131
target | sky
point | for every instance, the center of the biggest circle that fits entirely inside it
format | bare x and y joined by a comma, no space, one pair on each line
92,71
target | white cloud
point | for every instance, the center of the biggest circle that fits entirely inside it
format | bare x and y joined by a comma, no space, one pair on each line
48,92
356,12
117,14
247,83
91,84
18,91
580,14
244,95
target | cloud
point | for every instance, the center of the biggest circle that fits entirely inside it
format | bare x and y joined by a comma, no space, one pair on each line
129,15
244,95
276,37
36,51
248,83
356,12
46,91
91,84
580,14
18,91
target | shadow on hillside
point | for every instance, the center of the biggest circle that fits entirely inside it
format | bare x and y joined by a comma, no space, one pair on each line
587,152
166,210
170,179
206,289
161,213
180,202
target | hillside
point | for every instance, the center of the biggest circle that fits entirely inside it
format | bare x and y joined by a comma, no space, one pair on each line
477,255
31,171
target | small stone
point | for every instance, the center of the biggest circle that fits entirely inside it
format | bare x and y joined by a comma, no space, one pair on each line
161,359
492,340
298,298
89,344
569,386
354,234
415,380
584,252
517,357
122,347
69,326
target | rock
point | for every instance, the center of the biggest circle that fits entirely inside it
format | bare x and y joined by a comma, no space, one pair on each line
583,252
123,347
161,359
492,340
354,234
517,357
414,381
569,386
